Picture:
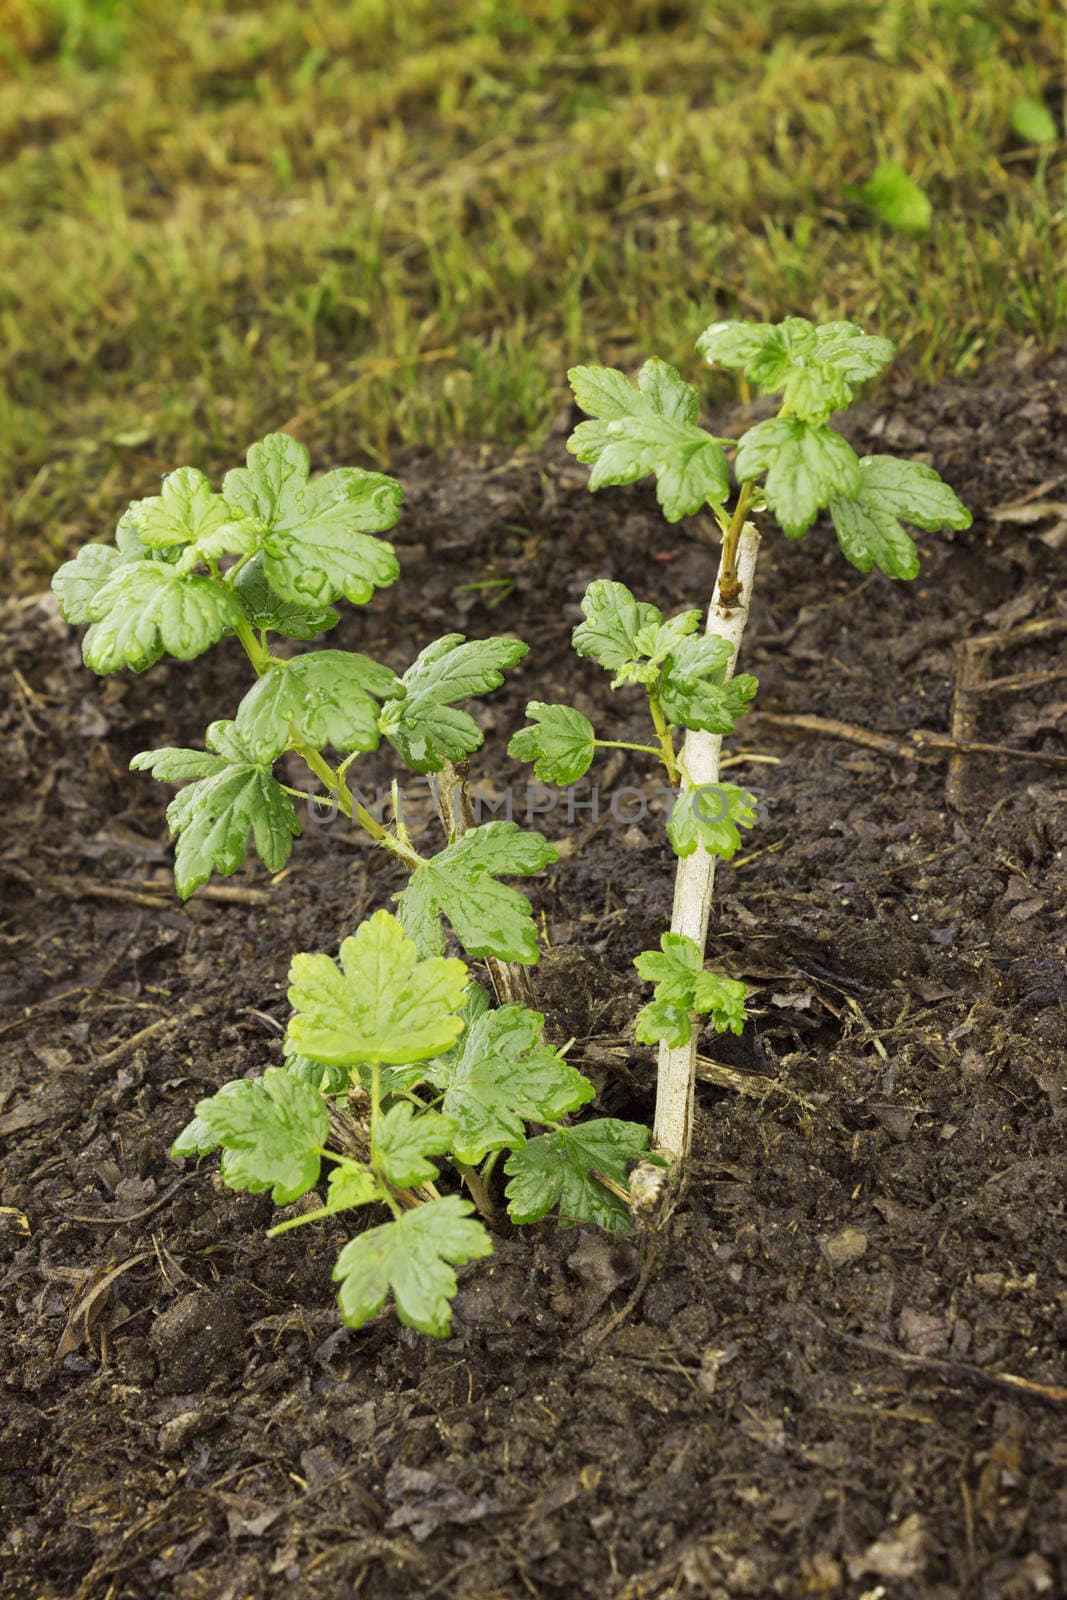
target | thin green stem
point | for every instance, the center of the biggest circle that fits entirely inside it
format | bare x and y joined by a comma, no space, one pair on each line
349,807
375,1119
665,736
624,744
259,657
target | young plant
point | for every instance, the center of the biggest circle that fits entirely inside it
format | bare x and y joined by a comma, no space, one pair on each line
398,1033
793,466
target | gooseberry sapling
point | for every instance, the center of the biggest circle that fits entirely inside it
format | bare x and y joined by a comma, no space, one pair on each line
792,466
396,1030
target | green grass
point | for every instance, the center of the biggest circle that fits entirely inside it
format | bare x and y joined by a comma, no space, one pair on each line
396,222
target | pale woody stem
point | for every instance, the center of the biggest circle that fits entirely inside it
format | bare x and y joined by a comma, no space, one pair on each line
673,1127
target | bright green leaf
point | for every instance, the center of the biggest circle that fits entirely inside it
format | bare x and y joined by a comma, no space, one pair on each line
147,609
663,1019
613,621
461,882
806,467
561,745
316,532
381,1004
78,582
814,368
559,1167
682,987
721,998
1033,122
710,815
656,433
893,196
404,1138
499,1077
412,1258
187,511
326,697
271,1129
673,968
234,796
424,727
892,491
695,691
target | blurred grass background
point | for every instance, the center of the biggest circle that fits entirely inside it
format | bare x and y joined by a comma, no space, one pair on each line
395,223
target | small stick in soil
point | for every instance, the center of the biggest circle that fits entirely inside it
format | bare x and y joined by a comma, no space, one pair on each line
694,884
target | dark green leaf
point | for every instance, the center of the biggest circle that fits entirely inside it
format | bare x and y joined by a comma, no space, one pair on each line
325,697
806,467
424,727
316,533
500,1077
404,1138
267,610
488,917
271,1130
695,691
235,796
559,1168
411,1259
613,621
561,745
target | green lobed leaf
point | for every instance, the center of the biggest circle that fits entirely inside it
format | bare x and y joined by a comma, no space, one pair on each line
723,999
461,883
147,609
561,744
316,532
613,622
322,1075
668,1020
695,691
657,433
271,1130
501,1076
351,1186
404,1138
234,797
268,611
558,1169
381,1004
891,491
411,1258
77,583
326,697
710,815
683,987
424,727
805,466
188,511
673,968
814,367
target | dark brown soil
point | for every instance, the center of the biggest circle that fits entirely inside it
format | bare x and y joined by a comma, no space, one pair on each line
836,1370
